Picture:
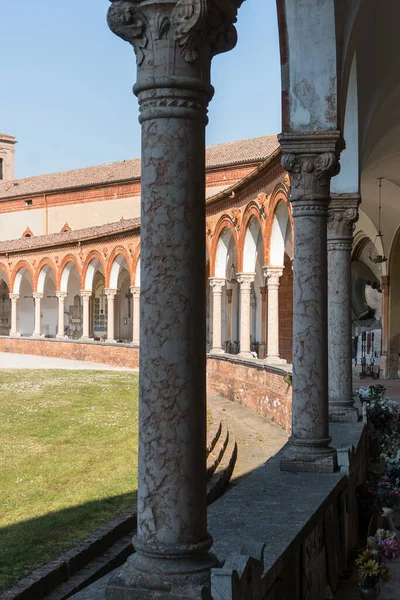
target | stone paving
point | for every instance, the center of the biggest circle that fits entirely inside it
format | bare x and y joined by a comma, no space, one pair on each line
9,360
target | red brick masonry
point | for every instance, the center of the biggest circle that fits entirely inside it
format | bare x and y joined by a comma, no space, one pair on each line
252,384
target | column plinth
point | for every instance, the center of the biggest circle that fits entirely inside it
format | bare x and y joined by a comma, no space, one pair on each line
273,274
217,284
14,315
342,214
86,295
135,291
38,316
174,42
245,280
110,293
311,161
61,318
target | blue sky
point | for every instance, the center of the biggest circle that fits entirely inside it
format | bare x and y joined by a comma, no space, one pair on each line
67,81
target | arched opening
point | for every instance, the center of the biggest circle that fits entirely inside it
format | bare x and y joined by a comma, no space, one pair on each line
23,286
253,262
98,309
5,305
49,303
73,311
120,280
392,310
226,268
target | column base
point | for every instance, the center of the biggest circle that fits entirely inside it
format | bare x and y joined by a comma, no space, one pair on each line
14,335
246,355
275,360
343,413
111,341
61,337
135,343
311,456
217,351
85,339
152,577
37,336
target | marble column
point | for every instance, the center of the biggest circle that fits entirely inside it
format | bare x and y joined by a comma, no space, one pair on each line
245,280
342,215
385,284
14,312
110,293
229,292
311,161
61,320
217,283
264,305
135,291
38,315
86,295
174,42
273,274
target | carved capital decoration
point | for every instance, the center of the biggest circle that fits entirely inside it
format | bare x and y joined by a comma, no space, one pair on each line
246,280
342,216
217,283
311,161
273,273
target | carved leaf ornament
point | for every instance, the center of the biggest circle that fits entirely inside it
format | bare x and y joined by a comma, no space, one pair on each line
187,18
128,23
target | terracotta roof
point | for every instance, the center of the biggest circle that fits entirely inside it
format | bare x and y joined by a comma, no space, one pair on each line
68,237
231,153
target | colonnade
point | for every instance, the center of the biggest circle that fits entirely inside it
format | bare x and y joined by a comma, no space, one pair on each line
86,296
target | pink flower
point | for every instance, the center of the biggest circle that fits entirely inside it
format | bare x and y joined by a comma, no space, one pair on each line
390,548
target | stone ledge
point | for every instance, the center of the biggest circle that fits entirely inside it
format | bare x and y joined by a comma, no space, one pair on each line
254,363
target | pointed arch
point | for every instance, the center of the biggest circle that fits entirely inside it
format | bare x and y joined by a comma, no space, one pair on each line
114,264
41,273
63,272
93,262
224,222
18,272
252,212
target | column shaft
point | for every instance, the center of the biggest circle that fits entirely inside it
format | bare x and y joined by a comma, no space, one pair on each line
311,161
14,315
174,51
86,295
385,282
341,217
273,274
110,293
245,280
61,320
216,287
229,315
136,315
38,317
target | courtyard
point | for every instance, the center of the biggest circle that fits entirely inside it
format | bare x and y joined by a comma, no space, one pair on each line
68,459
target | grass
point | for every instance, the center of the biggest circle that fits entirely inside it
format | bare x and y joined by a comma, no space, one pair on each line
68,461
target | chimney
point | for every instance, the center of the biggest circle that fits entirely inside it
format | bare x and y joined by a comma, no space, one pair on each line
7,150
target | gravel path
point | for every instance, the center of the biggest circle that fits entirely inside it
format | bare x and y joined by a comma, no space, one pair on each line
8,360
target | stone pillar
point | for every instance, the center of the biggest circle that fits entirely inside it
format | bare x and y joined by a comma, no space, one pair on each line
311,161
229,314
14,313
174,42
135,291
86,295
385,283
342,215
38,316
110,293
217,284
264,304
245,280
273,274
61,321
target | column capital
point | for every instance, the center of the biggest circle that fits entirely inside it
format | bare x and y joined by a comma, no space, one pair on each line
86,294
217,283
13,297
110,292
273,273
37,295
61,295
135,291
311,161
245,280
342,215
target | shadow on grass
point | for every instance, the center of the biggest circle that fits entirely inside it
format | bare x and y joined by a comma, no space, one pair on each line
29,544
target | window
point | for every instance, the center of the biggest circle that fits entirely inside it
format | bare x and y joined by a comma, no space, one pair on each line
28,202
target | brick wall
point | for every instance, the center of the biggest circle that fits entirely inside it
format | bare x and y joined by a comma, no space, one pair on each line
286,311
255,385
116,355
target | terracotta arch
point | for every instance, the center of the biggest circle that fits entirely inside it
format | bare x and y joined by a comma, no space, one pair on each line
224,222
117,251
135,263
6,270
20,265
70,258
279,194
92,255
252,210
45,261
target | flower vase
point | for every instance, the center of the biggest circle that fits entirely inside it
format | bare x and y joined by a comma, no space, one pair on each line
369,593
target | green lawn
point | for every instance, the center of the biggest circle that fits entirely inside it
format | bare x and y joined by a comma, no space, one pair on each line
68,461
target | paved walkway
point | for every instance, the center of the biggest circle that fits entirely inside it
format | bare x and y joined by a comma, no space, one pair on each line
9,360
